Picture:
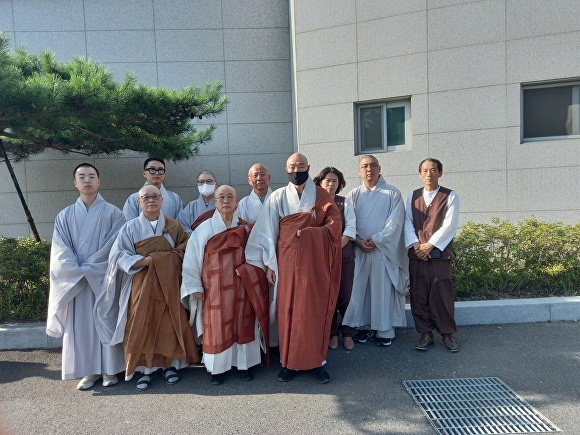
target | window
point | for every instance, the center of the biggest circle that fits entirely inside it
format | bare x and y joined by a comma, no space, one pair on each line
551,111
383,126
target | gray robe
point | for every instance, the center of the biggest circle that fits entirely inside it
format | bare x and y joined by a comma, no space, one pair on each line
79,256
380,276
193,210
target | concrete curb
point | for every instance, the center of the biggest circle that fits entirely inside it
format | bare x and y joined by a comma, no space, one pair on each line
567,308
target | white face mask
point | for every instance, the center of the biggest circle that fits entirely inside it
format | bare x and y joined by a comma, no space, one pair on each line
206,189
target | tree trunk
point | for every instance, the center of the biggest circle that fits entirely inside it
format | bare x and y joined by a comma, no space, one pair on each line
19,191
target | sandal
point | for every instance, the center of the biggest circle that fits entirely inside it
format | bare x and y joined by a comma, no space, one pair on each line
144,382
171,376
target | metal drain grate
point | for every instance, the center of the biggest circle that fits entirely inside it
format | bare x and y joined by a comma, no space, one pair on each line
476,406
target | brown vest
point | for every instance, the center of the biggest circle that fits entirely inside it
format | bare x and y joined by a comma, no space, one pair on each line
427,220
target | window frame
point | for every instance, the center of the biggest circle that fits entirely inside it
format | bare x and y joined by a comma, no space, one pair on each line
384,105
575,85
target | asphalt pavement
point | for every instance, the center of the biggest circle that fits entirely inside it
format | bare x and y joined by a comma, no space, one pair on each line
539,361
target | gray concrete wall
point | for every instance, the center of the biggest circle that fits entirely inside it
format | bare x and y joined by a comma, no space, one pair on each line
462,64
169,43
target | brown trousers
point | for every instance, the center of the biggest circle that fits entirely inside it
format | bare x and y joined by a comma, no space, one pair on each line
432,296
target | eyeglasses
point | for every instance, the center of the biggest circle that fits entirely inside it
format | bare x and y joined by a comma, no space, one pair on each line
153,198
154,171
228,198
90,178
371,166
208,181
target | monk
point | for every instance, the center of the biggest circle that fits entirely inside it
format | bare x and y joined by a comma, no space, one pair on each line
206,185
83,236
250,206
229,299
154,174
144,311
296,240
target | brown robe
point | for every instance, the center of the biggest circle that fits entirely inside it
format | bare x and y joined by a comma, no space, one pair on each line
232,302
202,218
309,269
158,330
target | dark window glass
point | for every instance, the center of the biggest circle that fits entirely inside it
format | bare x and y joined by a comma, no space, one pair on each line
547,111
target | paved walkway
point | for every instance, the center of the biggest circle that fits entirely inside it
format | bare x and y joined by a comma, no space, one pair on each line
540,361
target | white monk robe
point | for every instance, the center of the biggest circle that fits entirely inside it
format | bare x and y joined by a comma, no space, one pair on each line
242,356
380,276
171,206
79,257
250,206
113,302
193,210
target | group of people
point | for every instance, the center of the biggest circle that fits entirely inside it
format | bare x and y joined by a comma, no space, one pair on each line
221,282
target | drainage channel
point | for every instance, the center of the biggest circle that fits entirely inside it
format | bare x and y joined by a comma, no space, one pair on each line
482,406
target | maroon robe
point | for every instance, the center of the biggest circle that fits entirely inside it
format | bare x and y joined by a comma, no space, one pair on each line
309,270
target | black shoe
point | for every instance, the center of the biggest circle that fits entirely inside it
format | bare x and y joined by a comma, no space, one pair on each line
363,335
321,375
245,375
384,341
217,379
286,375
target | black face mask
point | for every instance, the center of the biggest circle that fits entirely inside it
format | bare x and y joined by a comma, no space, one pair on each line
298,178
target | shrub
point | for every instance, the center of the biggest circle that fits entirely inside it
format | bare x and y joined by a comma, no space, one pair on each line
494,261
502,260
24,283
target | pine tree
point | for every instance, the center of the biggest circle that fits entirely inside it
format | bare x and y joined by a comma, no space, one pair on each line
77,107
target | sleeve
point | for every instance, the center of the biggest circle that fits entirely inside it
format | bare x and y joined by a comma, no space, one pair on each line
350,219
192,267
394,223
178,205
127,256
131,208
261,246
184,218
410,234
65,276
443,236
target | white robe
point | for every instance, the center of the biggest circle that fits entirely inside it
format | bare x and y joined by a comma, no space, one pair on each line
171,206
242,356
380,276
193,210
112,304
262,242
250,206
79,256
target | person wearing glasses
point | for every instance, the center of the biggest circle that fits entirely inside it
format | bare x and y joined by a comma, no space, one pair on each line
227,300
154,173
296,240
83,236
141,306
377,302
206,185
250,206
